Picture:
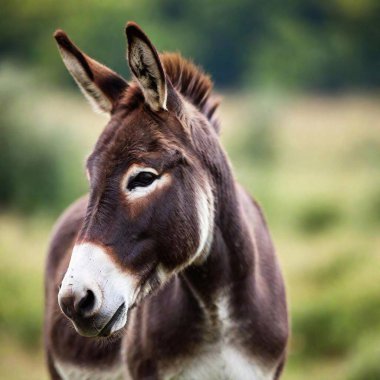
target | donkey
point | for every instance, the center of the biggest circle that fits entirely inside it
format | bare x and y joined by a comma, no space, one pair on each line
166,269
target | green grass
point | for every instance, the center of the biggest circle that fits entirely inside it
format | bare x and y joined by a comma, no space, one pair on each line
312,162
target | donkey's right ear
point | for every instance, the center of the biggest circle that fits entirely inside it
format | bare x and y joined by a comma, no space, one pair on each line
101,86
146,66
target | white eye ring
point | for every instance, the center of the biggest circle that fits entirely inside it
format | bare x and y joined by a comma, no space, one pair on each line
142,179
140,191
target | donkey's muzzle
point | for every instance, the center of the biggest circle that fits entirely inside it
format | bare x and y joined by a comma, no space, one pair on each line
95,293
82,308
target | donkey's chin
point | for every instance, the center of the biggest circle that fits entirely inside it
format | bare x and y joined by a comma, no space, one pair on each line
93,328
116,323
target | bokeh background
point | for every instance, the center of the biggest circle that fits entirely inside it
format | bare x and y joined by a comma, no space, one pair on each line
300,121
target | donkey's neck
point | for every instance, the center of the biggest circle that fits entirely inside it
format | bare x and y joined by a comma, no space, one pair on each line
231,257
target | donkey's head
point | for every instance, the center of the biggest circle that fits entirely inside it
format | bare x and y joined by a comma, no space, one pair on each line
151,206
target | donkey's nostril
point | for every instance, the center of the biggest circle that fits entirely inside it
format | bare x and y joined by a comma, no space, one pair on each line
78,304
67,305
86,304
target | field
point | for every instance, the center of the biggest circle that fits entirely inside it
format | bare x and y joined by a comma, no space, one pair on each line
311,161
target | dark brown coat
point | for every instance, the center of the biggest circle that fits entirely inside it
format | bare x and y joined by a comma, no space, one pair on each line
221,314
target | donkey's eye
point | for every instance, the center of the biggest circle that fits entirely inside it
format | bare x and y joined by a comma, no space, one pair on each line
141,179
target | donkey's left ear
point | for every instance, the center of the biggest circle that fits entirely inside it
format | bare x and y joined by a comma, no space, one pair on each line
101,86
146,66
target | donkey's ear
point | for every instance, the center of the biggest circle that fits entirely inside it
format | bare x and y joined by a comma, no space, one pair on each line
146,66
101,86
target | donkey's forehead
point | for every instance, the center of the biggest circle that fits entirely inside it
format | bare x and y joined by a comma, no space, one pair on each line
138,134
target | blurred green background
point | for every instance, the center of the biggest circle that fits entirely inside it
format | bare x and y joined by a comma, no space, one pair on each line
300,121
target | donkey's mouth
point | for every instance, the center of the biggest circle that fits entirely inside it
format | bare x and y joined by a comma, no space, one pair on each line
107,329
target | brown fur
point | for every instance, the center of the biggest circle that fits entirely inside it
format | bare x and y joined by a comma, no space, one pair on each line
173,323
192,83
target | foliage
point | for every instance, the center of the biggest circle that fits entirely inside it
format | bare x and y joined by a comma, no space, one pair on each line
257,141
373,207
366,365
21,317
326,45
33,168
341,324
317,216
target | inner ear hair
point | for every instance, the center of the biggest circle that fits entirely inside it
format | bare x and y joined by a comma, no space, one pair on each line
101,86
146,66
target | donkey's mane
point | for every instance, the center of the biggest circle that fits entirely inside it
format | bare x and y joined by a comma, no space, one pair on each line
192,83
